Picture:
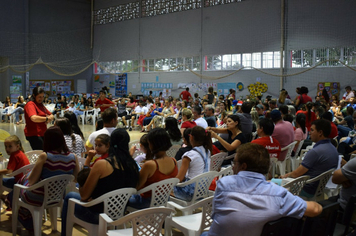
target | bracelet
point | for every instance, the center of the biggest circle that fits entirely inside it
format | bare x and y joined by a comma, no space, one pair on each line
46,119
86,167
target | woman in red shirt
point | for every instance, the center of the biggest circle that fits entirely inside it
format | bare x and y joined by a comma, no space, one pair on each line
37,117
187,120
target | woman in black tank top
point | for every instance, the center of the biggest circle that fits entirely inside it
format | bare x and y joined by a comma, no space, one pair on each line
124,175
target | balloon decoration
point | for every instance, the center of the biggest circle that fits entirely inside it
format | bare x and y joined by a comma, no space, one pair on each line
257,89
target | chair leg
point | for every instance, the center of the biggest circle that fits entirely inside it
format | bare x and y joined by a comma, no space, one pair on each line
53,212
37,222
15,213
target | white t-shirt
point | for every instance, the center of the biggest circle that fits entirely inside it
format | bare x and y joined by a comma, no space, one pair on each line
196,166
138,110
201,122
91,140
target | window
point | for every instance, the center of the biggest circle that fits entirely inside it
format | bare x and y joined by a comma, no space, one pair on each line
236,61
246,60
256,60
267,60
160,7
211,3
226,62
349,56
196,63
118,13
320,56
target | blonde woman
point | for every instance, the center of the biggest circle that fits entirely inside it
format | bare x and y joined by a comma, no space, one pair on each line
283,100
187,120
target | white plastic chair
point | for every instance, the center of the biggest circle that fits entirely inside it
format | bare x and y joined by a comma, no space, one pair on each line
172,151
216,161
179,163
282,164
323,179
83,117
114,206
332,189
160,192
230,156
24,170
12,117
192,224
202,183
294,160
33,155
54,188
146,222
225,172
296,185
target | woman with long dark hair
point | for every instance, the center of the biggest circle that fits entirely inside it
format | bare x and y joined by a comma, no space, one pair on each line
160,168
37,117
235,136
117,171
173,130
74,123
309,114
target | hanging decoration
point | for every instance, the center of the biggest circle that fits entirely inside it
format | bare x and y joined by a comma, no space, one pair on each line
240,86
257,89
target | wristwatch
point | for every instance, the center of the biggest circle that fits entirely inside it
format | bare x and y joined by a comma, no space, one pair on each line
46,119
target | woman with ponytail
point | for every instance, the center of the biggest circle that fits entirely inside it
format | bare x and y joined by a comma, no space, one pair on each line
309,114
301,132
160,168
195,161
117,171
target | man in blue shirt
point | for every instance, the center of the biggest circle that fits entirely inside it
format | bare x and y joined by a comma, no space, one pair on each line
245,202
321,158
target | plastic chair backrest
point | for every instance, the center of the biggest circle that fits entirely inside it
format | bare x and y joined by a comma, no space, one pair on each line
207,205
230,156
298,148
33,155
226,172
202,183
171,152
146,222
160,191
283,226
290,148
54,188
323,179
115,202
216,160
296,186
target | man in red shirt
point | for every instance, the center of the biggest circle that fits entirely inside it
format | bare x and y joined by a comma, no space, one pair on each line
264,131
103,103
185,95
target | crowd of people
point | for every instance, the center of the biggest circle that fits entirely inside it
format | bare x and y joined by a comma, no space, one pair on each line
251,131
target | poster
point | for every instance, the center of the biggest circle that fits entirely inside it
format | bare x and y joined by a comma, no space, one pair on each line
121,85
223,88
196,88
333,88
157,88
